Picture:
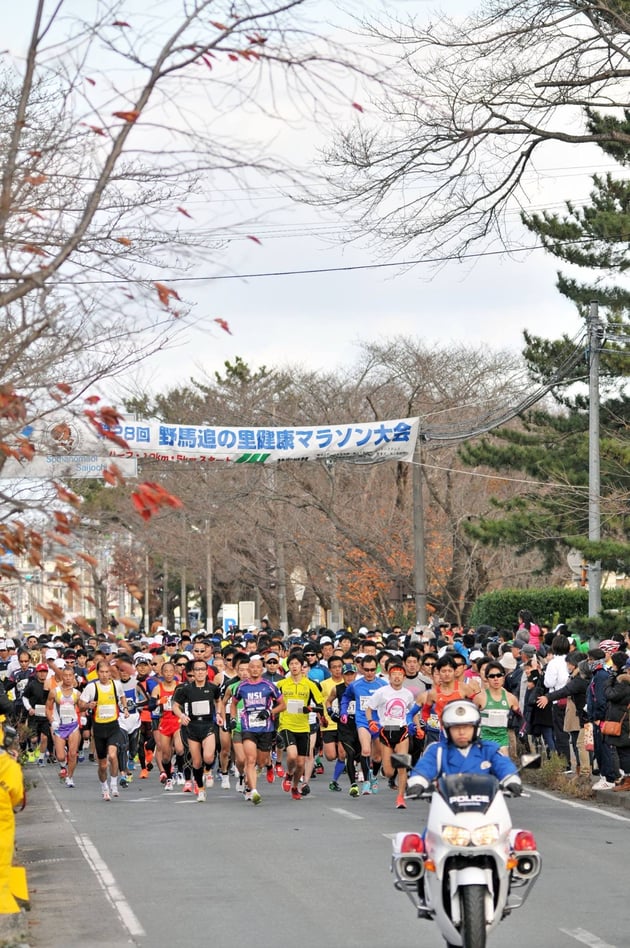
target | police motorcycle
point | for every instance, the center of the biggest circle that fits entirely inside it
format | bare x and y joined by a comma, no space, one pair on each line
470,868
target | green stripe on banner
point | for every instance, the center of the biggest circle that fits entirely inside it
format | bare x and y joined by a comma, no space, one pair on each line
252,459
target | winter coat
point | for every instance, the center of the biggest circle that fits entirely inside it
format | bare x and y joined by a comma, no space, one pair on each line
617,692
595,695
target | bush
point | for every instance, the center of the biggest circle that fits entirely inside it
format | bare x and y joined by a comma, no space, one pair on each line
551,605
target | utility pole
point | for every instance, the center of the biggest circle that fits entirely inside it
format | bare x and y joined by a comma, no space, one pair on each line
595,335
419,568
209,593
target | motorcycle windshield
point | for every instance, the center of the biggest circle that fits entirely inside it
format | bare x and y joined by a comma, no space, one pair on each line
468,792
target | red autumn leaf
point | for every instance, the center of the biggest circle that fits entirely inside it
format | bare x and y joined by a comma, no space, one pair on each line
219,26
34,249
182,210
123,240
34,153
83,624
255,239
257,39
68,496
91,81
113,475
88,559
94,128
35,179
249,54
121,23
64,387
35,212
222,323
130,116
359,108
93,399
166,293
129,623
206,60
128,295
26,450
233,57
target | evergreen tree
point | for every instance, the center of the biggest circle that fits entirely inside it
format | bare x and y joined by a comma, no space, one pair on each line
551,444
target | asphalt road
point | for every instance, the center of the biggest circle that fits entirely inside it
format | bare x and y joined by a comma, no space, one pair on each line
156,868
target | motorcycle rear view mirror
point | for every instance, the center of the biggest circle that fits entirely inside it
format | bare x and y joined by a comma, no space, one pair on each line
533,761
402,760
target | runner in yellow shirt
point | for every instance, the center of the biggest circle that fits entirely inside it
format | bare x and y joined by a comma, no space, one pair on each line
301,695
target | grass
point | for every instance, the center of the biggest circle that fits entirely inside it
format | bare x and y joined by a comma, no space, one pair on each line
551,776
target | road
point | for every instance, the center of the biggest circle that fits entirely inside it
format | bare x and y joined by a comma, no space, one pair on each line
156,868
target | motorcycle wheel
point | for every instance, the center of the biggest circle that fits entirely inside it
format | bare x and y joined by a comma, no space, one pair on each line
473,916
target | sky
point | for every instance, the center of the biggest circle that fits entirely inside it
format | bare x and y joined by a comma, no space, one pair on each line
280,315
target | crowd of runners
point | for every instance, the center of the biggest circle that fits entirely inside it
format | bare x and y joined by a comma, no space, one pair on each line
235,711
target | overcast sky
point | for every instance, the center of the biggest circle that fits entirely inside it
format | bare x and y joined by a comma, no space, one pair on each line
317,319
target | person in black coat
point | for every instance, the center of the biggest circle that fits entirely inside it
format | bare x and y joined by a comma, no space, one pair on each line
617,692
575,689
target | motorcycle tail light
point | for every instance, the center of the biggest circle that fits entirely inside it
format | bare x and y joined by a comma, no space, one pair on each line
412,843
485,835
456,835
524,842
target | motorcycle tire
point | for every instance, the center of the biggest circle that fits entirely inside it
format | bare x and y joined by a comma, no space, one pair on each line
473,916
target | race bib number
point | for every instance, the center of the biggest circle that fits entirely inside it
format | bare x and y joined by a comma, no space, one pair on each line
433,722
363,700
168,704
352,709
67,714
107,712
294,706
312,718
40,710
496,717
200,709
256,723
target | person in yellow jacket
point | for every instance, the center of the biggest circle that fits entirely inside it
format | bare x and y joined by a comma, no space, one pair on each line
11,796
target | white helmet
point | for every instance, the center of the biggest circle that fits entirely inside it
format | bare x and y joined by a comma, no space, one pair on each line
461,712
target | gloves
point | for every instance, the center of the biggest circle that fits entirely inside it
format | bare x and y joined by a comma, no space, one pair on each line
412,730
231,724
306,710
513,785
334,716
264,714
343,718
417,786
374,727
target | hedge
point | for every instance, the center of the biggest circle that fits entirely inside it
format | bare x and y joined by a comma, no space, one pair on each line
548,606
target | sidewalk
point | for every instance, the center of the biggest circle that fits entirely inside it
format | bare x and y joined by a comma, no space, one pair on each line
69,909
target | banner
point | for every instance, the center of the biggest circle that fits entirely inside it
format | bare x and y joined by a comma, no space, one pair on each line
365,441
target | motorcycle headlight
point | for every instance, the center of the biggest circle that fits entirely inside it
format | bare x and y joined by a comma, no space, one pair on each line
456,835
485,835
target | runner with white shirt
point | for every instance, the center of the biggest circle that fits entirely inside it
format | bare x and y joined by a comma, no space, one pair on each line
391,704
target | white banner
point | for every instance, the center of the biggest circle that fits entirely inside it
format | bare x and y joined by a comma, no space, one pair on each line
68,466
364,441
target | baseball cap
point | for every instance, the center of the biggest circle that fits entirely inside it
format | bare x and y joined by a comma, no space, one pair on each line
42,667
59,663
348,667
326,640
3,643
528,649
142,657
50,653
10,643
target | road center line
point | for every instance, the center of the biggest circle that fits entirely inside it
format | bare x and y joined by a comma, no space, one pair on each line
105,878
346,813
587,938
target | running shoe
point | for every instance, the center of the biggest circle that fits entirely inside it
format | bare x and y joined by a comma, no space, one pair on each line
247,795
400,802
353,791
144,774
115,792
225,781
63,773
201,795
305,790
188,787
373,784
240,785
81,757
603,784
106,796
391,783
92,758
279,770
367,789
209,779
286,784
295,793
168,785
163,777
180,780
41,762
256,797
270,775
124,783
334,786
319,767
69,782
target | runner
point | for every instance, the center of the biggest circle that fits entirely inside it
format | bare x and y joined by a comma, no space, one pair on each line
299,693
196,704
262,702
391,705
62,713
105,699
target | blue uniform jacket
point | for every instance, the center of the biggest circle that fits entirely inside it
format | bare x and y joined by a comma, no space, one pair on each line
482,758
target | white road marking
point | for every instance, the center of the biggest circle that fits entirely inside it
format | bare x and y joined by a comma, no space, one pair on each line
581,806
586,938
105,878
110,886
346,813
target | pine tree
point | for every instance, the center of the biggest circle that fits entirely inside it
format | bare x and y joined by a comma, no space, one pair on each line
551,445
